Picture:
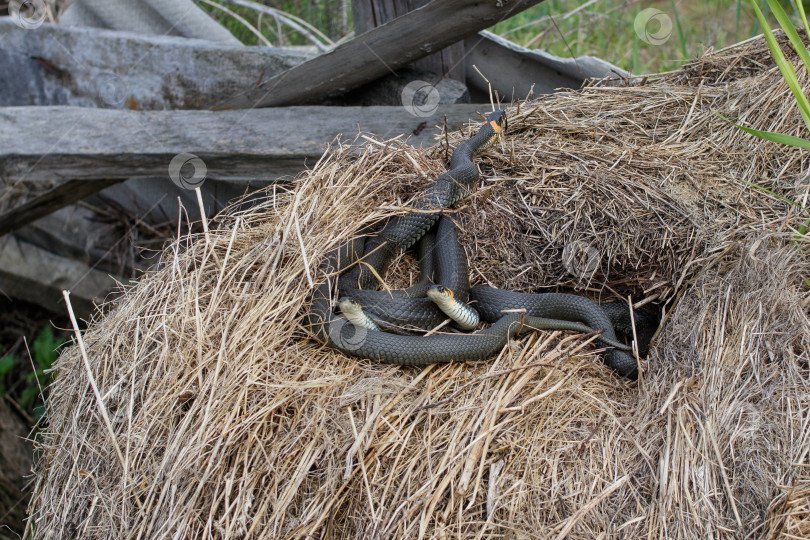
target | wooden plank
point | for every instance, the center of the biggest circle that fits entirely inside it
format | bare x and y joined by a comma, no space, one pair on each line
36,275
102,241
368,14
88,67
47,143
51,201
379,51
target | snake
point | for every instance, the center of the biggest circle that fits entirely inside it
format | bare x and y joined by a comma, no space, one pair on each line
465,317
353,262
442,263
404,231
559,311
492,302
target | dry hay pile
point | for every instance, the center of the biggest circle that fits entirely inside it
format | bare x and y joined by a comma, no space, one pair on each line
227,421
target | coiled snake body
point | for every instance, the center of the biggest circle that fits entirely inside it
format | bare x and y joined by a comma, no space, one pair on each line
542,311
443,261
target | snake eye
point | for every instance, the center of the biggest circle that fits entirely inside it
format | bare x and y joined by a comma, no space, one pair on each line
441,289
445,291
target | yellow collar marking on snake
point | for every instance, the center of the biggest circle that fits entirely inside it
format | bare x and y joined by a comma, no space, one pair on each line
495,126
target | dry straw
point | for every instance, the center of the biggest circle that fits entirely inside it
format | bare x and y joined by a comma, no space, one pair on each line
232,423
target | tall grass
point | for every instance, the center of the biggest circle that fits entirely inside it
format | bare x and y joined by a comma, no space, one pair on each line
602,28
313,19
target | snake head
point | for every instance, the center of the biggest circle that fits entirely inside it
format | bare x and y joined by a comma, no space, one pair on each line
348,303
440,290
497,120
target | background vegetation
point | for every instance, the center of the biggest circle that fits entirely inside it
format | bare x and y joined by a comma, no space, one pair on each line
602,28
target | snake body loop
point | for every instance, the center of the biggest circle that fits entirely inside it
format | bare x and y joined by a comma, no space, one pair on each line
393,309
404,231
542,311
491,303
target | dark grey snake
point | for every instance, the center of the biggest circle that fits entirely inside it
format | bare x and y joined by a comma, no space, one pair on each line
442,260
542,311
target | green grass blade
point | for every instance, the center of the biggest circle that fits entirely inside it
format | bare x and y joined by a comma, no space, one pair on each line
776,137
773,194
781,138
785,67
803,227
737,21
800,7
755,29
681,34
790,31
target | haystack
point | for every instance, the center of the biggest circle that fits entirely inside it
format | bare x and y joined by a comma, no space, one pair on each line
224,419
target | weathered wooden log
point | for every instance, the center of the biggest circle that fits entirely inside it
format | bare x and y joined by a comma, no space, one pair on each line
379,51
36,275
47,143
368,14
88,67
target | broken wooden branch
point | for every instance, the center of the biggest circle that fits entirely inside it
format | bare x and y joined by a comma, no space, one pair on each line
379,51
